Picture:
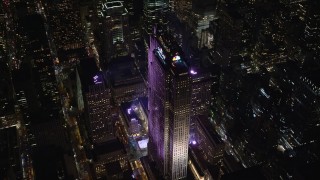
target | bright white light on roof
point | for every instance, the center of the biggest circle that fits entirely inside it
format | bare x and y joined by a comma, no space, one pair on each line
143,144
135,108
193,72
264,93
161,54
129,111
176,58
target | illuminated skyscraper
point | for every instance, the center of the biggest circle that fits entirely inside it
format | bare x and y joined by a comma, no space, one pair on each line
154,11
116,28
99,106
63,17
97,101
169,107
197,14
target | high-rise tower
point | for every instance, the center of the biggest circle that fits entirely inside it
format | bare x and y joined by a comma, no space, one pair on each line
99,106
154,11
97,101
169,107
115,23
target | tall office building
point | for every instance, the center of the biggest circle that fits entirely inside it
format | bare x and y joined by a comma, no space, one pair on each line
116,28
197,15
202,82
154,11
63,17
99,106
97,101
169,107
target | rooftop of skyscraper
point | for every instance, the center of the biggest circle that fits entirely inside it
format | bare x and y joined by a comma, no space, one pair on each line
113,7
123,71
88,70
169,52
109,147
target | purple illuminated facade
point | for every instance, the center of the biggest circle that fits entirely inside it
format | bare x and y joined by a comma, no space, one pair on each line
169,110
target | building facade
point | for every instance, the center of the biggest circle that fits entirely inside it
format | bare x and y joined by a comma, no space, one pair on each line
98,99
169,108
154,11
115,20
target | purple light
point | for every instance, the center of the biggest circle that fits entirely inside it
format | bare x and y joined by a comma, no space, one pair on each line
129,111
194,142
193,72
97,79
135,108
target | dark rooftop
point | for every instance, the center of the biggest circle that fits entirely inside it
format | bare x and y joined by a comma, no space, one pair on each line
6,98
9,153
6,107
123,71
87,70
109,147
113,168
251,173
